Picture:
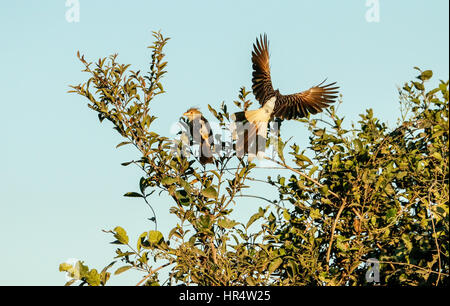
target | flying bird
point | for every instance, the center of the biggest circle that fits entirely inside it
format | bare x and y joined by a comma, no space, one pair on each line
273,103
200,132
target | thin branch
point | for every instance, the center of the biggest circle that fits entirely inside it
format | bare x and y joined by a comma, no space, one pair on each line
256,197
435,235
153,272
154,214
331,192
258,180
414,266
132,249
302,174
332,233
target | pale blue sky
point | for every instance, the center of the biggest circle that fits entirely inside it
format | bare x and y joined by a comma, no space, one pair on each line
61,181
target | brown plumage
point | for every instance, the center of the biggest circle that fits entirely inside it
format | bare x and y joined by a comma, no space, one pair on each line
201,133
292,106
273,104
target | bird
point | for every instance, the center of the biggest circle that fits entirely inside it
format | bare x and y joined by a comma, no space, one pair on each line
200,132
273,103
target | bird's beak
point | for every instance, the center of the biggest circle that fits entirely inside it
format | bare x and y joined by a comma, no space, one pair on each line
186,114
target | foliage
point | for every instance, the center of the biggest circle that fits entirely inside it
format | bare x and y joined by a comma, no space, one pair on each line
366,192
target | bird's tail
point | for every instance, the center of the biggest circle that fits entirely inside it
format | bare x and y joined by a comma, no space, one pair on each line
249,129
237,118
206,156
206,145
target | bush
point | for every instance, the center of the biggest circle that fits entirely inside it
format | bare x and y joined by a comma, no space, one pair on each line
367,196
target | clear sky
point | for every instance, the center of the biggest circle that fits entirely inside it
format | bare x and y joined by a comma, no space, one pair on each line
60,178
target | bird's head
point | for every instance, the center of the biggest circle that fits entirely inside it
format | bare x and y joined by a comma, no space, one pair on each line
192,113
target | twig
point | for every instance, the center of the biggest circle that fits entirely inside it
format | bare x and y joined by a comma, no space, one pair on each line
435,236
256,197
154,214
332,233
253,196
152,272
331,192
131,248
304,175
411,265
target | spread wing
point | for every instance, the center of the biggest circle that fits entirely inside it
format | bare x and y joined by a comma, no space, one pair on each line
262,84
311,101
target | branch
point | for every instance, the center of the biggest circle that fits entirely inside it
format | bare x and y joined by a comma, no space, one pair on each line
332,233
302,174
153,272
414,266
256,197
435,235
154,214
331,192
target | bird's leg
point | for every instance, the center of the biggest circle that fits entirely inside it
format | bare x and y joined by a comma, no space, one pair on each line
278,122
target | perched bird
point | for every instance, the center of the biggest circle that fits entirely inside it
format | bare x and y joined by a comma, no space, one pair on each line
273,103
200,132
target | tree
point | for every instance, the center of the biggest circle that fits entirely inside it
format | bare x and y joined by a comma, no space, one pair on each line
353,196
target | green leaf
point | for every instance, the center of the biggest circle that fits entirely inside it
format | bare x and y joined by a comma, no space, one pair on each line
426,75
401,174
210,192
313,169
185,185
108,266
212,110
140,240
93,278
407,242
70,282
294,267
391,213
122,144
303,158
315,214
286,215
275,264
121,235
432,92
122,269
280,148
359,144
340,243
227,223
255,217
250,281
133,195
155,237
437,155
168,180
65,267
183,197
324,190
81,269
120,254
418,85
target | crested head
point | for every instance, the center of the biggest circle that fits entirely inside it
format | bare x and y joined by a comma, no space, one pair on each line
192,113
